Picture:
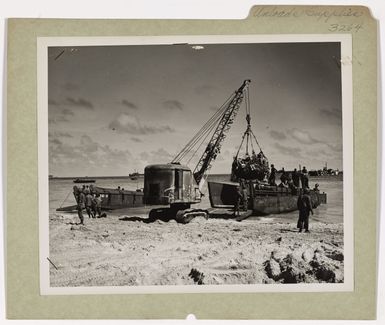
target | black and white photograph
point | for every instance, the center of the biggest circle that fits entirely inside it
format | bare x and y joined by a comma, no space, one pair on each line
195,164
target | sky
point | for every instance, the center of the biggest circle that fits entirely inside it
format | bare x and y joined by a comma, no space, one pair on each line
115,109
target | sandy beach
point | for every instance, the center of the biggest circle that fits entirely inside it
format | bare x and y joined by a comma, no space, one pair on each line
126,250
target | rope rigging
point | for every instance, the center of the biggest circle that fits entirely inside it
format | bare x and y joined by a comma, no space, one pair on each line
254,166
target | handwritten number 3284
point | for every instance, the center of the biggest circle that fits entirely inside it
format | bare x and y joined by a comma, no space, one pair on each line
345,28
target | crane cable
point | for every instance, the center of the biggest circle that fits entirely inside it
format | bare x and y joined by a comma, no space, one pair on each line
206,127
255,138
240,146
248,130
208,133
198,147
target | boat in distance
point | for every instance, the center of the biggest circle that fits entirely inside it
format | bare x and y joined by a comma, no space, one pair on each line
263,199
134,176
84,180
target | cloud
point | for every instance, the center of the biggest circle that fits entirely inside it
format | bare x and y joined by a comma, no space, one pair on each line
332,114
136,139
80,102
126,123
173,105
145,156
335,147
62,116
302,136
70,86
289,151
88,145
129,105
58,134
87,157
156,157
55,141
67,112
277,135
52,102
205,90
317,153
64,135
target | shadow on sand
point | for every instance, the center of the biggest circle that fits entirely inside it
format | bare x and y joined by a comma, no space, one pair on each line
144,220
287,230
73,223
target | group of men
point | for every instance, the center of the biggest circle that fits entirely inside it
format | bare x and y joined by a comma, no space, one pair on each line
290,180
91,202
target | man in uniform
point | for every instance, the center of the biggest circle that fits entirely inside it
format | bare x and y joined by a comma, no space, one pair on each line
273,171
304,205
81,205
88,204
245,199
305,178
238,200
98,205
295,177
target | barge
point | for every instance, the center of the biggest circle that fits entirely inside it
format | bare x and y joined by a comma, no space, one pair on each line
112,199
263,199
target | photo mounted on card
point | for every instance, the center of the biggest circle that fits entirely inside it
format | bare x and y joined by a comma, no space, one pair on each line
195,164
171,167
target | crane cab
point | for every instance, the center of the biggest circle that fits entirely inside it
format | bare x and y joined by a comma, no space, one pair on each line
170,184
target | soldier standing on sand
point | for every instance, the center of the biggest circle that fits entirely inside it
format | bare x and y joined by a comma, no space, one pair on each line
238,200
89,200
81,205
304,205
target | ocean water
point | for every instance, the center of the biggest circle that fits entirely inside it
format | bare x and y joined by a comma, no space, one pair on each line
60,195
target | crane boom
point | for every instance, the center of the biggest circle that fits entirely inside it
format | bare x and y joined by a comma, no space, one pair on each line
215,143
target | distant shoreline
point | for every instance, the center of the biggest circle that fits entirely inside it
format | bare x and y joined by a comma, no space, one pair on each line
142,175
92,177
